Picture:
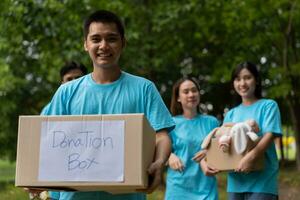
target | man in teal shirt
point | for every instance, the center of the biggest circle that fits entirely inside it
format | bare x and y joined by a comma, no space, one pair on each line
108,90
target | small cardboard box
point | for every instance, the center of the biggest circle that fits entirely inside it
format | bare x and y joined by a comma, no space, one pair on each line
227,161
38,148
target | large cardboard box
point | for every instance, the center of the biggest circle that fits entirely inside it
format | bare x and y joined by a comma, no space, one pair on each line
227,161
50,156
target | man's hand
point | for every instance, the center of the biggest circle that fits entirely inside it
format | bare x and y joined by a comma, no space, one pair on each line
155,171
37,193
162,153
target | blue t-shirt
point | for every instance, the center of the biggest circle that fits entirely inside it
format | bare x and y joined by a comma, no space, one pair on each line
128,94
266,113
45,109
186,138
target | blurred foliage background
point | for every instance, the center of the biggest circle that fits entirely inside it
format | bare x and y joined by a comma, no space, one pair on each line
166,40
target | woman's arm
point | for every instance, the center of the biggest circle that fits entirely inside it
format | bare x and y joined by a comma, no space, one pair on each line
247,163
208,170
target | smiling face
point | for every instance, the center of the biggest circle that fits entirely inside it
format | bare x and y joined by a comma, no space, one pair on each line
189,95
104,44
244,84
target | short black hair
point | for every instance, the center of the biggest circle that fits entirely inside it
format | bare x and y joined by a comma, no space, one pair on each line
71,65
254,71
103,16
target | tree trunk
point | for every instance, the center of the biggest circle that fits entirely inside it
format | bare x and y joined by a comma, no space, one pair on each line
294,107
297,136
293,99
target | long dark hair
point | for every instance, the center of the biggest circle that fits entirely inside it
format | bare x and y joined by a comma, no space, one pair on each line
254,71
176,107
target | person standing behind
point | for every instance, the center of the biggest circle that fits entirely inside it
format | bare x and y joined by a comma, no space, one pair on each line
244,184
185,179
70,70
108,90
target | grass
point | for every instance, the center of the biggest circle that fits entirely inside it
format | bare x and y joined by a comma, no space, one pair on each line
7,189
10,192
288,176
7,172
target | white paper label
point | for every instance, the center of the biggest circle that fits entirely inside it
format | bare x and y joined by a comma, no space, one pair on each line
82,151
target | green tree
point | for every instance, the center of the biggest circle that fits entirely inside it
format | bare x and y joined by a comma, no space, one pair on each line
269,32
166,40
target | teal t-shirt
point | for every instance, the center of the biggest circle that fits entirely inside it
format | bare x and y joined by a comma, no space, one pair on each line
128,94
187,137
266,113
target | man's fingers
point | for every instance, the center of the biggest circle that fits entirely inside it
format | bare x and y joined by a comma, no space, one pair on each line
152,168
155,172
154,181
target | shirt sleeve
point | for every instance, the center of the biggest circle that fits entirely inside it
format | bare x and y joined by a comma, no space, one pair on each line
216,123
57,106
156,111
228,117
272,119
45,109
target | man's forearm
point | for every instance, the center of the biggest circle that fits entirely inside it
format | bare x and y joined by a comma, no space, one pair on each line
163,146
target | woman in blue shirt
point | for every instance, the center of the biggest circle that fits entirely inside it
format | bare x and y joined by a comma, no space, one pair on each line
244,184
185,179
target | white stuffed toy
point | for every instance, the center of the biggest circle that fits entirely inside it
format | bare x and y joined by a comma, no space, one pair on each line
239,132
